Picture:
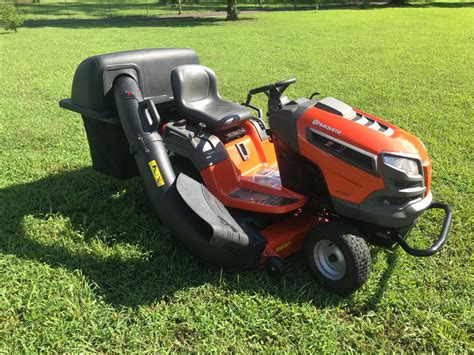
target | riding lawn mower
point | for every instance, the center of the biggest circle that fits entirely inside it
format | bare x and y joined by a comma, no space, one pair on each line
323,177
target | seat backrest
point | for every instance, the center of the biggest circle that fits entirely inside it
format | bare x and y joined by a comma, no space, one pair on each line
193,83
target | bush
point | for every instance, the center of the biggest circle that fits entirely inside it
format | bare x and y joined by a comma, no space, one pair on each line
10,19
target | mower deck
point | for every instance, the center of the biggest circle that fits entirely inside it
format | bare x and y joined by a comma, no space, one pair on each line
287,236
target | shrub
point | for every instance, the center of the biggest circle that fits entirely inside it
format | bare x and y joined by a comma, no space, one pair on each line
10,19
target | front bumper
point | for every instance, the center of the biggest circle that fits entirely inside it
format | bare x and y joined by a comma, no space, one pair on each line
373,210
395,223
434,248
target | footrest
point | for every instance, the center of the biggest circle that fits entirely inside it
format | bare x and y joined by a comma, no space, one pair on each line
262,198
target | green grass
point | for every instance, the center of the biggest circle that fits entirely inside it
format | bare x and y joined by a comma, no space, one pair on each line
83,266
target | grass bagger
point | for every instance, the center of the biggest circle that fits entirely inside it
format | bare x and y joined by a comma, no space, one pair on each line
324,178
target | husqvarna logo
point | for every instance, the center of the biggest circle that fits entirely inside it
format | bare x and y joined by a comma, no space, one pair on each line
325,126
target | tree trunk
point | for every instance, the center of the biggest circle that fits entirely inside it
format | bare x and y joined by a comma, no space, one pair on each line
67,9
232,10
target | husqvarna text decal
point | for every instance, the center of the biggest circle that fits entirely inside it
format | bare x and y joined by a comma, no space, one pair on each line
325,126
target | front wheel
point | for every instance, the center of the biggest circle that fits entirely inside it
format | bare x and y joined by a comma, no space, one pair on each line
337,257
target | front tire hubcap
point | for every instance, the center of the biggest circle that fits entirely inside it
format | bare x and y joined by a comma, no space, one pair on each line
329,260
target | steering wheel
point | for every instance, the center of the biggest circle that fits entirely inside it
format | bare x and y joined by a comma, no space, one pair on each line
279,87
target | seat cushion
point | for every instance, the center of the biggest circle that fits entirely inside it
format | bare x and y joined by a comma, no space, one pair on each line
218,113
197,98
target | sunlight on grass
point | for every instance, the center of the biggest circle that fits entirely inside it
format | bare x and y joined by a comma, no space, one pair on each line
84,266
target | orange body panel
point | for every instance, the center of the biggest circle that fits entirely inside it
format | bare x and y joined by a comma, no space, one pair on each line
427,172
235,173
344,180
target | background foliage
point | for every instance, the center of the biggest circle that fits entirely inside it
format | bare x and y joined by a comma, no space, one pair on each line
82,9
10,19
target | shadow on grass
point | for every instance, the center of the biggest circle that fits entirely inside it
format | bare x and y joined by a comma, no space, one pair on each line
99,208
103,9
98,15
127,21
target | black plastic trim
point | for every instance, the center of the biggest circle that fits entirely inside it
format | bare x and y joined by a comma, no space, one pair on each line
283,122
371,210
260,127
201,148
104,115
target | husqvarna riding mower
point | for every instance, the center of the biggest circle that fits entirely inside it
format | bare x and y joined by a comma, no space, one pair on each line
323,177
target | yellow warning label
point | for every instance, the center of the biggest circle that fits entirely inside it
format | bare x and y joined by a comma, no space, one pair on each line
283,246
156,173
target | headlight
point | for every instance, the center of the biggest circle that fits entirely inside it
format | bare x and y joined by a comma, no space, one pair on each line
409,166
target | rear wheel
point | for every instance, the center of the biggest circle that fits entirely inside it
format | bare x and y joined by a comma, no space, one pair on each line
338,257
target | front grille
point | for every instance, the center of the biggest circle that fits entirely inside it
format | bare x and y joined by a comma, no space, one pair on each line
344,152
402,185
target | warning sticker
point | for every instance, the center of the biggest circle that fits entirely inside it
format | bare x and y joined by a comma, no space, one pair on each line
156,173
283,246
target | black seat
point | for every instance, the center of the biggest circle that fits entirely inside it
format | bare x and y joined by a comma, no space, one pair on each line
197,98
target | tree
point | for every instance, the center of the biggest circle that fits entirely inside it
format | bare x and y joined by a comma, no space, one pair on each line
10,19
232,14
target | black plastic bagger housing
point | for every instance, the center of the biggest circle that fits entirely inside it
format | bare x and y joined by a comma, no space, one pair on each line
92,96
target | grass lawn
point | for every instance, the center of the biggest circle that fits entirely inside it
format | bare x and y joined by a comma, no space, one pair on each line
84,267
